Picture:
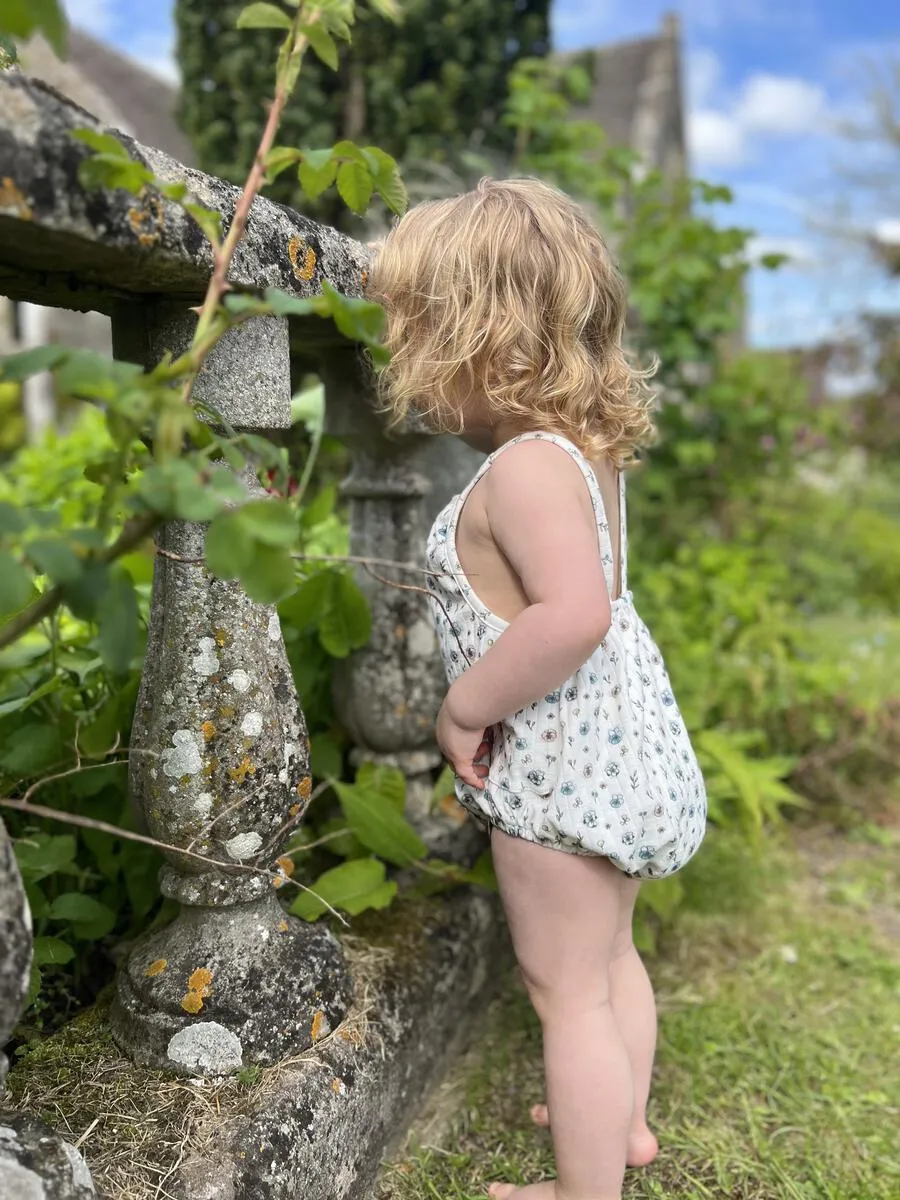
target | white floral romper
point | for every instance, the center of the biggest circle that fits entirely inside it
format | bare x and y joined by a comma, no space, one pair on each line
604,765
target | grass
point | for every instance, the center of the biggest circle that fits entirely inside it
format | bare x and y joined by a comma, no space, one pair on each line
776,1076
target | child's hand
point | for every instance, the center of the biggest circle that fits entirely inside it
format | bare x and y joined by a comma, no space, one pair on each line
464,749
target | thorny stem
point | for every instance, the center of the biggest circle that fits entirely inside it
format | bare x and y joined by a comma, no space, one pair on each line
223,254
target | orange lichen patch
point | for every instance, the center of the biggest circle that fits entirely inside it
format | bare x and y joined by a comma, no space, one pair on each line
319,1026
157,967
200,980
146,218
208,730
294,810
242,770
198,988
452,808
286,864
304,787
303,258
11,197
222,638
401,710
283,926
399,631
364,280
338,1087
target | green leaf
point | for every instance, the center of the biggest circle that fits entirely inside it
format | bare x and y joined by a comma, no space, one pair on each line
42,854
229,547
111,171
12,519
103,143
88,917
389,782
444,786
271,576
55,558
52,951
34,986
389,9
118,623
208,220
311,600
355,186
30,750
372,816
279,159
352,887
19,367
272,522
346,624
316,180
263,16
308,406
86,594
326,759
16,587
323,44
320,508
360,320
22,18
283,305
318,159
388,183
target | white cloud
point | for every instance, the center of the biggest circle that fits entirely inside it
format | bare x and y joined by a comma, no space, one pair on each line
715,139
704,70
768,106
888,231
93,16
800,252
780,105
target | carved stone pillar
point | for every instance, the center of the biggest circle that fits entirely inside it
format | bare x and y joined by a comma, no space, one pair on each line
388,693
220,765
34,1161
15,946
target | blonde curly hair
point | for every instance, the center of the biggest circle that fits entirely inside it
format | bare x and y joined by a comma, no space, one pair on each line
508,295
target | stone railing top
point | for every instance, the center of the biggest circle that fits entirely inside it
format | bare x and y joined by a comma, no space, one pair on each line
62,245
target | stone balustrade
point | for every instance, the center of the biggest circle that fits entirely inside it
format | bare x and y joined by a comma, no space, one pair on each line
220,758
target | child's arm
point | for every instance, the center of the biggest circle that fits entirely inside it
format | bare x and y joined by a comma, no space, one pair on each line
541,519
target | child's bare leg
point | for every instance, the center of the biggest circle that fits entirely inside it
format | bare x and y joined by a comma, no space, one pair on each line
564,912
631,995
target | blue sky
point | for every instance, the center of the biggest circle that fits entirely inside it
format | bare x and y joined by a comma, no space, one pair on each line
768,82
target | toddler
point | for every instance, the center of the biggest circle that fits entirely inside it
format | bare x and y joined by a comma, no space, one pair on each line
505,316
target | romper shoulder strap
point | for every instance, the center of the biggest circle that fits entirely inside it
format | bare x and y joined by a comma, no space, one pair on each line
603,533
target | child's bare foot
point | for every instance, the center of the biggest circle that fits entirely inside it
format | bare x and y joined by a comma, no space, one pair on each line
534,1191
642,1144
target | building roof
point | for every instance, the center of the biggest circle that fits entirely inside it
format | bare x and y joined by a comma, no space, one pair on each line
116,89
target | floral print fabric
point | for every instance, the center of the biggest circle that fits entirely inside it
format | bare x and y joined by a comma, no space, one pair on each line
602,766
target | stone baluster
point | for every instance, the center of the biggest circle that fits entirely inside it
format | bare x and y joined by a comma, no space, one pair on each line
34,1160
219,764
15,946
388,693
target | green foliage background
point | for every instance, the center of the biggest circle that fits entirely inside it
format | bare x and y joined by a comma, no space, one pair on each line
423,91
